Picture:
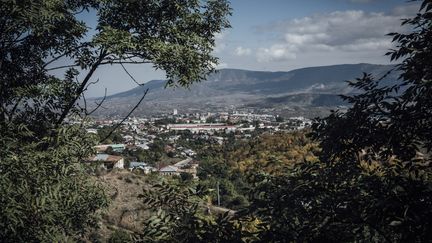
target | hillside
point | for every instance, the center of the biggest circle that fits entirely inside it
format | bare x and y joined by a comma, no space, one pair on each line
313,86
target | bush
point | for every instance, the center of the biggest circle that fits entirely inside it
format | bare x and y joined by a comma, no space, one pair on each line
120,236
186,176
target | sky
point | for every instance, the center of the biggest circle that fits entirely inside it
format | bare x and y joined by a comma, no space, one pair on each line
282,35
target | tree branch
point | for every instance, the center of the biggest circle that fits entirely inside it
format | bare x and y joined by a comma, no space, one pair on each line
64,54
90,83
98,104
10,115
81,88
61,67
127,62
124,68
126,117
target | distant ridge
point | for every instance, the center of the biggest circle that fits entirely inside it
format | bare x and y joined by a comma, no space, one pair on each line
311,86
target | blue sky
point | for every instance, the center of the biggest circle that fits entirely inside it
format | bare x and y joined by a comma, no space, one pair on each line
282,35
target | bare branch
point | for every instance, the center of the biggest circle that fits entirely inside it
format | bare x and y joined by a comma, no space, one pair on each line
11,113
95,82
81,88
80,11
61,67
125,62
65,54
130,75
126,117
85,104
98,105
54,59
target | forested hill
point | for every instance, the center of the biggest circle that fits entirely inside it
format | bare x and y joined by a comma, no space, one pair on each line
306,85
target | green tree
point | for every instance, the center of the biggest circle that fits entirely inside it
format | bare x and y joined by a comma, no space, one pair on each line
279,119
45,193
212,167
184,176
110,137
373,183
120,236
178,216
46,196
379,151
392,119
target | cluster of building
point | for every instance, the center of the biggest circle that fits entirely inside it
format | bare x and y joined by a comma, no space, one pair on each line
202,127
211,127
169,170
109,162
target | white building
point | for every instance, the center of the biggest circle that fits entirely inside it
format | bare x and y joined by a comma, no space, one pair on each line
144,167
202,127
169,170
109,161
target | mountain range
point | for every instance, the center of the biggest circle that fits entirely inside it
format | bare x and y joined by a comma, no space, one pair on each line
306,87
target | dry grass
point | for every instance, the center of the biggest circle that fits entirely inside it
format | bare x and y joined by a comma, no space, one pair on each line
125,211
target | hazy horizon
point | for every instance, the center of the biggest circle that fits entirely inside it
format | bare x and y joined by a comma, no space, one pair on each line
279,35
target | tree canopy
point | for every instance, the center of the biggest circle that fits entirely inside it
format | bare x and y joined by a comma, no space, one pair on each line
46,195
372,182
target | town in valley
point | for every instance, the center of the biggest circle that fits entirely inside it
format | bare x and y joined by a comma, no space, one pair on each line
135,141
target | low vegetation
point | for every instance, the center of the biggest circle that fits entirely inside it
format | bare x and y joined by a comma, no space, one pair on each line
363,175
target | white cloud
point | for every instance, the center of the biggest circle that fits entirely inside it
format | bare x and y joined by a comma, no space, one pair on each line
367,45
220,44
409,9
275,53
241,51
220,65
353,31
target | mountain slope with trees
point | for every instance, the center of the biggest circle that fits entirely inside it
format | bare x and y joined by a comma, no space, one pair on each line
314,86
373,179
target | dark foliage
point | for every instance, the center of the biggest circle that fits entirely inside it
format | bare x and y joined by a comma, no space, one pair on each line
45,194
